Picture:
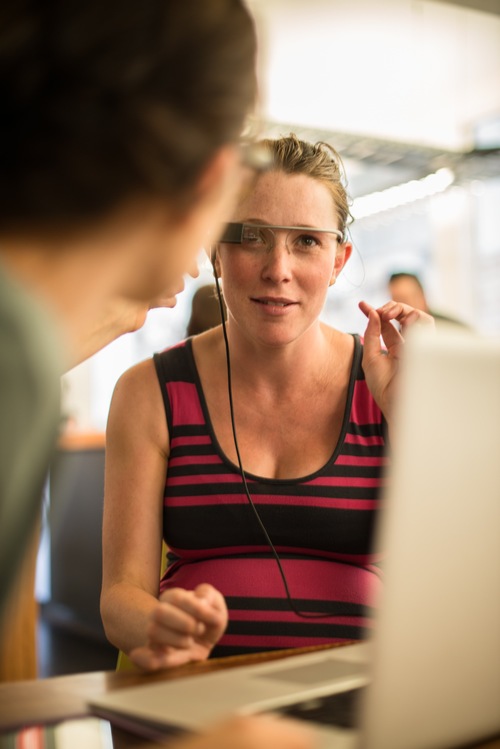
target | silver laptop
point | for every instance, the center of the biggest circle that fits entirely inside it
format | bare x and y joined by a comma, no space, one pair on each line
430,675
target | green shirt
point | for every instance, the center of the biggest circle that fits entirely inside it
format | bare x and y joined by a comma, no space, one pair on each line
30,369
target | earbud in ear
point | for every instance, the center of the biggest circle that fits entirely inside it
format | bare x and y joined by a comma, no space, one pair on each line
213,260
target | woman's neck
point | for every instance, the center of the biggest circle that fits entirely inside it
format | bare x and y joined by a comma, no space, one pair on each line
307,362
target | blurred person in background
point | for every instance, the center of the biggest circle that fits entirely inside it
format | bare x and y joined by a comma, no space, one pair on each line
205,310
407,288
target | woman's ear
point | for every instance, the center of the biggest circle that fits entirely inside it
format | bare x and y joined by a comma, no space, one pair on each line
343,254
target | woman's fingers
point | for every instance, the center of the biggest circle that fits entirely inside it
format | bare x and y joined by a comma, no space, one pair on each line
388,314
404,315
151,659
183,616
378,326
218,622
184,626
213,598
197,604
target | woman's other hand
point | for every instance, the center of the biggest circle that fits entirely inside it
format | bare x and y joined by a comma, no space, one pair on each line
183,627
252,732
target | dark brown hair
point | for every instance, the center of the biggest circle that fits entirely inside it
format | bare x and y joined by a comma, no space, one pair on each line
108,100
405,274
205,310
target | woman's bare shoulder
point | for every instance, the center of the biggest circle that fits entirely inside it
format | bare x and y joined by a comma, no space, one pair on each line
138,377
137,401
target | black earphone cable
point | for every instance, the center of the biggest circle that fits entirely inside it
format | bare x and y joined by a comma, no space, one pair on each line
303,614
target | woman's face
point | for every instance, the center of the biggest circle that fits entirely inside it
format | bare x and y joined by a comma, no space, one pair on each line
275,293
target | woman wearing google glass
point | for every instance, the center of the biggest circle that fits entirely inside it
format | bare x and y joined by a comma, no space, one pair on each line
257,450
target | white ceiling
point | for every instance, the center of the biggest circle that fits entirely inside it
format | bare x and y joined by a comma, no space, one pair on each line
404,71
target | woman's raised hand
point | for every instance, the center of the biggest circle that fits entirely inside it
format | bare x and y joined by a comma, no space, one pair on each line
381,360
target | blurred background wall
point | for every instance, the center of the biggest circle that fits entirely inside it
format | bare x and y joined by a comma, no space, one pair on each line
408,91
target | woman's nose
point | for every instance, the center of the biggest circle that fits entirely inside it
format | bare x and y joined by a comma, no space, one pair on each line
278,260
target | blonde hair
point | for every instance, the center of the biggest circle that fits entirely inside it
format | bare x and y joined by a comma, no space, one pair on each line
317,160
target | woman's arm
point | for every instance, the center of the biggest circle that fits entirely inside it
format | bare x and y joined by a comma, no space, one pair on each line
183,625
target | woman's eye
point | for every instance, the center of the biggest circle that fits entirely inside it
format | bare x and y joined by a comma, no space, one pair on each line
253,240
307,242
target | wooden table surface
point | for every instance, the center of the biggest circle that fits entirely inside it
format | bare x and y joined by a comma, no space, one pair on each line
49,701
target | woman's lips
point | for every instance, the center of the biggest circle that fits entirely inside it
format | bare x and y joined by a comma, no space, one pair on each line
273,302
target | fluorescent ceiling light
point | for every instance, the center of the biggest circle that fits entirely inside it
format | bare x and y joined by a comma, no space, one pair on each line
408,192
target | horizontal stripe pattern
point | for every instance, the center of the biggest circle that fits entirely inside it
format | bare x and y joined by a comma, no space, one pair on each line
321,525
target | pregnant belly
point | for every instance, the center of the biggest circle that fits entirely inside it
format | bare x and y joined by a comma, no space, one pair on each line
331,601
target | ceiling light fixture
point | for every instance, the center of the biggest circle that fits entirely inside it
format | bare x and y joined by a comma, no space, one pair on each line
399,195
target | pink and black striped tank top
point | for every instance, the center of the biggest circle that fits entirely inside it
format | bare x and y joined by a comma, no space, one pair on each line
321,525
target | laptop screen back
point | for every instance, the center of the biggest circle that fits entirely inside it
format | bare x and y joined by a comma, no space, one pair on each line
437,649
